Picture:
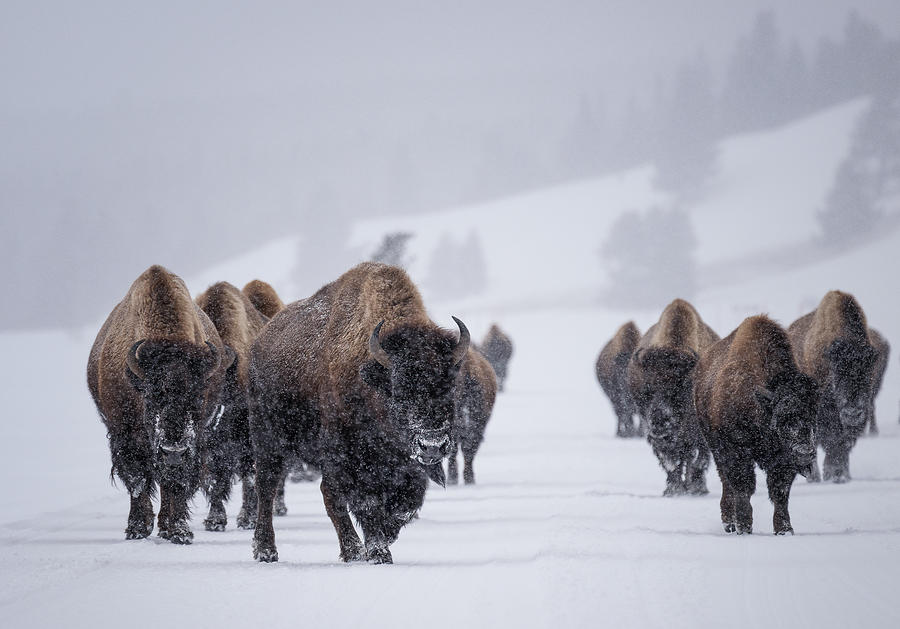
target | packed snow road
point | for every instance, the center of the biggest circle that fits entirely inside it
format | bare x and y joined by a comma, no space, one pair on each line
566,527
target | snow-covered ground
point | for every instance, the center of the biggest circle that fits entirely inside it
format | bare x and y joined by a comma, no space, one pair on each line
566,526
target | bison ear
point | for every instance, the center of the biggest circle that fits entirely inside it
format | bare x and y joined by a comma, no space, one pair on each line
376,376
764,398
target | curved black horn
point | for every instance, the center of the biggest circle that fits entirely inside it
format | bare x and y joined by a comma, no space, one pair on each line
133,361
462,345
376,349
215,356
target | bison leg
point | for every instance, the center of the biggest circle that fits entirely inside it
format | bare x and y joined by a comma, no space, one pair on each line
174,506
740,475
140,516
165,507
279,507
779,482
452,465
131,463
379,535
873,426
836,467
336,507
269,471
246,518
726,506
218,490
695,472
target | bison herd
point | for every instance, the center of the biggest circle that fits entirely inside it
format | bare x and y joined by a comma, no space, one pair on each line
355,382
761,396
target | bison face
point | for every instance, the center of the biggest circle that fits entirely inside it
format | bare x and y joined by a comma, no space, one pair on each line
791,404
417,370
175,382
850,380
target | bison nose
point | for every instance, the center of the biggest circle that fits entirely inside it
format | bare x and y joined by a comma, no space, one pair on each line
172,453
431,451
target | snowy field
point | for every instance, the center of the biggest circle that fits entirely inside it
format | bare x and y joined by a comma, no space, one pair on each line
566,526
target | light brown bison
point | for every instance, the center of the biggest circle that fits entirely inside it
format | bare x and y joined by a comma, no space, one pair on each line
883,348
497,347
612,373
754,405
832,345
263,297
476,393
660,376
360,382
228,440
155,373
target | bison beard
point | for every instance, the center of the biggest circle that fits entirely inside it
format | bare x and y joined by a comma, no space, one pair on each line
371,408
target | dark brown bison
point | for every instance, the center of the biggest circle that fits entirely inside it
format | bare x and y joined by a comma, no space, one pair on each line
832,345
228,439
155,373
360,382
755,406
497,347
612,373
883,348
660,376
476,393
263,297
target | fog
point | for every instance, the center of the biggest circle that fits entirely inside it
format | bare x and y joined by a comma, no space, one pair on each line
135,134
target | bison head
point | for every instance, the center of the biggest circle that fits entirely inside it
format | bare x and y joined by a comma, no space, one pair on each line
417,370
791,403
850,380
665,394
175,382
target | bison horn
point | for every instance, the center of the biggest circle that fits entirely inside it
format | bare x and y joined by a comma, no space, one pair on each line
133,361
462,345
376,349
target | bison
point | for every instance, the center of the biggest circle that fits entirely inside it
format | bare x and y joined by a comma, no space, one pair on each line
883,348
357,380
497,347
228,442
155,373
263,297
476,393
660,376
611,370
831,344
755,406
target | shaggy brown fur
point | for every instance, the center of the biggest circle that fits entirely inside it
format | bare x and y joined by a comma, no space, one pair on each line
155,373
754,405
831,344
475,401
611,370
883,348
660,377
497,347
230,453
263,297
376,423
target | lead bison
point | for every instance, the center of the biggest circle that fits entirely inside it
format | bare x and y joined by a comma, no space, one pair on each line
155,373
230,453
611,370
754,405
497,347
476,393
660,376
883,348
360,382
832,345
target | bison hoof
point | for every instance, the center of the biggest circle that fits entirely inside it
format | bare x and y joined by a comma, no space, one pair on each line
784,531
698,490
744,529
279,509
264,554
729,527
164,533
245,520
214,525
673,490
352,554
181,535
379,556
138,532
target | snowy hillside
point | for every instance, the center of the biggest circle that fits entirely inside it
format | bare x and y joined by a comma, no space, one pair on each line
566,526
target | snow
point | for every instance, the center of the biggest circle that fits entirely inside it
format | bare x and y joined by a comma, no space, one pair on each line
566,526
